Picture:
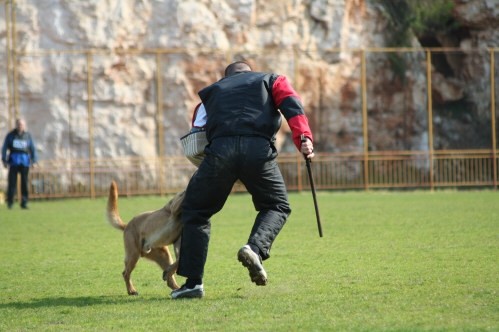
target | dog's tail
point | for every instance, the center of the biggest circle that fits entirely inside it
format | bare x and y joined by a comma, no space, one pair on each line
113,216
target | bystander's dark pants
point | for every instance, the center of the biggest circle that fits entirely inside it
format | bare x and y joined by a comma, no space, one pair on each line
12,184
251,160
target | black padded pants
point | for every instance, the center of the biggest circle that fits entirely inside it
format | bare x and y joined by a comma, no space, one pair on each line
251,160
12,184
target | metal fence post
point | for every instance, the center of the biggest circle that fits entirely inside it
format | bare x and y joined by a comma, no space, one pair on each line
90,125
430,116
493,115
159,122
365,131
8,46
14,59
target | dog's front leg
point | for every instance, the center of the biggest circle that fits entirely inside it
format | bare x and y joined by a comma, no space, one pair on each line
169,272
163,258
169,275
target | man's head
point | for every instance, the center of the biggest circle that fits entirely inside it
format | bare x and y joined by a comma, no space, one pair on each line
237,67
20,125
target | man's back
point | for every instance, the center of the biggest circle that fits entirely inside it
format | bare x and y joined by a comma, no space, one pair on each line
241,105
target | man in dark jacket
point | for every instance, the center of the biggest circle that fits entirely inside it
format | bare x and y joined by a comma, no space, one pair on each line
242,120
21,155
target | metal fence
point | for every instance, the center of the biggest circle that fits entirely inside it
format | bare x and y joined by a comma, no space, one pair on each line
166,175
362,169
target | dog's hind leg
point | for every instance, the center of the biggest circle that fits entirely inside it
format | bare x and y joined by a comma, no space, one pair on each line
163,258
132,256
130,263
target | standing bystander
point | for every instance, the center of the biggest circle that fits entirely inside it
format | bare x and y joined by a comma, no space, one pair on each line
18,155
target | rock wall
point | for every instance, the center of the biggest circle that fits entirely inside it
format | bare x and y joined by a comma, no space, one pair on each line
150,57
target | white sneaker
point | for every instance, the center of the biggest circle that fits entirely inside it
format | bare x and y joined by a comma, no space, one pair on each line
188,293
253,263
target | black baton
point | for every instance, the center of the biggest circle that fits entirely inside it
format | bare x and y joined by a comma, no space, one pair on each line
309,169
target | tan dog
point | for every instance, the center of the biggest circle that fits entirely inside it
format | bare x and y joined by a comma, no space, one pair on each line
148,235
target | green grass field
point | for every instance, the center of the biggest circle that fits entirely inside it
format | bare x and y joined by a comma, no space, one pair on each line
388,261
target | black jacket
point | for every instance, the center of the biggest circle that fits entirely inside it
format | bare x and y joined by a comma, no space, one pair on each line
241,105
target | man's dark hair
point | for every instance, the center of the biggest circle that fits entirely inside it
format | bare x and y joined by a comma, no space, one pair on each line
237,67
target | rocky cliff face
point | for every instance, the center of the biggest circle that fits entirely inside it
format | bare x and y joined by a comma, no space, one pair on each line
150,57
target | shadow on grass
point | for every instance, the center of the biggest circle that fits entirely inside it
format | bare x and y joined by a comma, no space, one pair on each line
87,301
82,301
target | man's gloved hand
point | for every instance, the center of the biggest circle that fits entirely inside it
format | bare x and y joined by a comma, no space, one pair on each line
307,147
5,164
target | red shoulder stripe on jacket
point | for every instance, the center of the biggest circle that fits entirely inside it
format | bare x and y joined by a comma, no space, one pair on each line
282,89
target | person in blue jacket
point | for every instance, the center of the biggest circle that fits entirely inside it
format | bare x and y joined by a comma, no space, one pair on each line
18,155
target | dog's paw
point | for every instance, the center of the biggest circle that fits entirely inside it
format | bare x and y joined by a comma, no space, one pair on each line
170,280
173,285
